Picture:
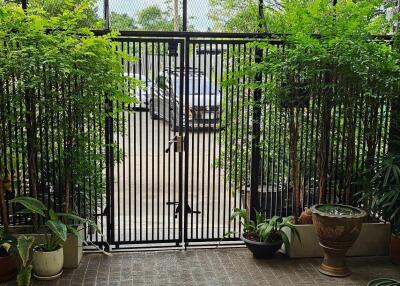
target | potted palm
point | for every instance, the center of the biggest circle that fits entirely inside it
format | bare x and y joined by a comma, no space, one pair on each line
264,237
48,257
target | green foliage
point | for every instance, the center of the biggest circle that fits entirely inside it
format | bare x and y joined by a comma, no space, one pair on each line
56,223
152,18
380,190
87,10
24,246
330,73
121,22
265,230
33,205
59,81
234,15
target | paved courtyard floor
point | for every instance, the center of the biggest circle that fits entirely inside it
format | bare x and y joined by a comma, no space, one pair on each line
214,267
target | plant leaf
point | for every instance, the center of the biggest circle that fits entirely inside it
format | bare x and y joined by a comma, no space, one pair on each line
32,204
24,245
58,229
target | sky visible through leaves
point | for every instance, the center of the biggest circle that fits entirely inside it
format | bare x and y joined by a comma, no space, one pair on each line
197,10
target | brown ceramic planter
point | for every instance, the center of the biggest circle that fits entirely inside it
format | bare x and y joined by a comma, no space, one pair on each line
336,234
395,249
8,268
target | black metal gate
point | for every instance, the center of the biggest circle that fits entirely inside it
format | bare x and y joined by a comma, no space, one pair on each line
168,187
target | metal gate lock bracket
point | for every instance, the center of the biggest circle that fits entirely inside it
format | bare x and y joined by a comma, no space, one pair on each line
178,142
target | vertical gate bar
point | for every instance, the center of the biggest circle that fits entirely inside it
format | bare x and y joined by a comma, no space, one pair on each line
247,179
209,142
242,141
118,171
183,119
109,171
235,93
128,50
175,113
140,149
232,167
338,147
123,154
146,55
255,141
164,139
192,143
306,156
220,143
169,153
158,144
310,165
152,144
274,195
185,62
203,207
198,143
226,142
216,93
18,175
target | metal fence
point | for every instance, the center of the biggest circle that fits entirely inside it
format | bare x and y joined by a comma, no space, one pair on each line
185,154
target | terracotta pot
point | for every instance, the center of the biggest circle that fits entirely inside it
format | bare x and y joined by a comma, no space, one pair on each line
395,249
8,268
47,264
336,234
306,217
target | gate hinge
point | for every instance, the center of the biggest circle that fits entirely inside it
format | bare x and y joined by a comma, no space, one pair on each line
178,142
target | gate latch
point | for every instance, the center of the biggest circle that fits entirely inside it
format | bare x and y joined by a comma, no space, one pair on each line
178,143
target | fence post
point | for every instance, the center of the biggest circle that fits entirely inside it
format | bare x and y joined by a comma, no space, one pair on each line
256,130
106,15
185,17
109,152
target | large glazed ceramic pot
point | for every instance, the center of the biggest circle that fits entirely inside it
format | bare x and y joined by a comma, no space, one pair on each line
337,228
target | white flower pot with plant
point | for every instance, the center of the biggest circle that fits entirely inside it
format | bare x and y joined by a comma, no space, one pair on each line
48,257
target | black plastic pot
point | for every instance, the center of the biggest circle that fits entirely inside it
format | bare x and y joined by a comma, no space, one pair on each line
8,268
262,249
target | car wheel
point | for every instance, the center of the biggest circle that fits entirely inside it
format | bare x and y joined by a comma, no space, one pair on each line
153,115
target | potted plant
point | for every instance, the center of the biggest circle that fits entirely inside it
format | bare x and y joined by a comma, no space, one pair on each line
24,246
264,237
383,198
8,266
48,257
337,227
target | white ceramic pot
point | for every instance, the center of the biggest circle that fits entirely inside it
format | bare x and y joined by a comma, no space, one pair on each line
48,264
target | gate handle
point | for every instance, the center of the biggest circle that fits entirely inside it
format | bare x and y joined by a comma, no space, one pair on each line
177,141
170,142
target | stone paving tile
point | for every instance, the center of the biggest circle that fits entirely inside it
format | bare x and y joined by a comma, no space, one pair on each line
211,267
